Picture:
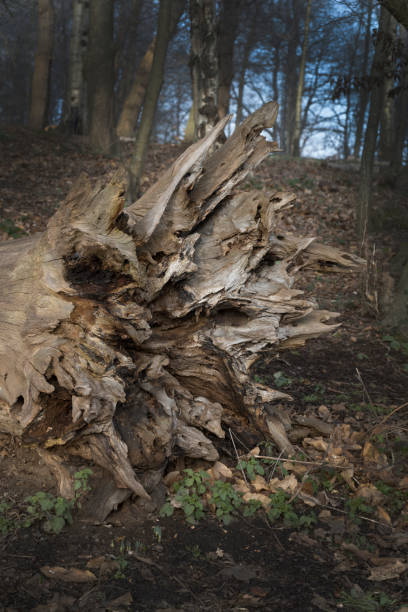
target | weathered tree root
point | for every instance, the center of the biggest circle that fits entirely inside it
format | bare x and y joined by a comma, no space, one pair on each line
128,335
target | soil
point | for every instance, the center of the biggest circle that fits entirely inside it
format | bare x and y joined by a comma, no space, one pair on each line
355,378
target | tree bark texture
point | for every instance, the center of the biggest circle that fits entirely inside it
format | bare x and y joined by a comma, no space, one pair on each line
295,145
74,118
100,75
133,103
364,93
169,14
42,65
204,65
127,335
226,34
398,9
370,140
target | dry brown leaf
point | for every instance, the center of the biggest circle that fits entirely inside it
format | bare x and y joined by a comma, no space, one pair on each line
389,571
64,574
220,471
372,455
259,483
171,478
370,493
263,499
348,477
383,515
317,443
288,484
297,468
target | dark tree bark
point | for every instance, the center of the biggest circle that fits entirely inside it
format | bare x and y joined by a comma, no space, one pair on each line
100,75
42,65
398,9
370,140
204,65
127,335
227,32
74,116
169,14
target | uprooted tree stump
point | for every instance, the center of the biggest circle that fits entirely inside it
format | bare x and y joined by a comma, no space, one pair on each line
127,335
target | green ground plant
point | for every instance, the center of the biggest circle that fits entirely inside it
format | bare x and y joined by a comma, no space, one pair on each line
283,508
367,602
53,512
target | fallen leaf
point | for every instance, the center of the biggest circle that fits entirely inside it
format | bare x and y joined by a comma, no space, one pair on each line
370,493
388,572
259,483
263,499
317,443
72,574
220,470
348,477
124,600
383,515
373,455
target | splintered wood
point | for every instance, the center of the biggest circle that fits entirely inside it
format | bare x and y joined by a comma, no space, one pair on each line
127,335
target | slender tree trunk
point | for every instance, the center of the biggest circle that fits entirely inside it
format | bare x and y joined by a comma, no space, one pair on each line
295,145
100,73
42,65
134,100
401,106
189,132
204,65
227,32
386,131
364,93
291,70
74,119
249,44
167,7
370,140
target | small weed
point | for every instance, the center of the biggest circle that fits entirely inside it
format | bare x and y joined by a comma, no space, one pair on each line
282,508
195,551
356,506
319,391
124,550
225,499
396,500
252,467
157,532
367,602
281,380
189,491
397,345
7,524
9,227
259,379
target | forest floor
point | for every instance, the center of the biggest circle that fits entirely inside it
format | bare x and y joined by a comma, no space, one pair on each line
338,541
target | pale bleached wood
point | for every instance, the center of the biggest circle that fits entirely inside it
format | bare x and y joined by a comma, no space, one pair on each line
127,335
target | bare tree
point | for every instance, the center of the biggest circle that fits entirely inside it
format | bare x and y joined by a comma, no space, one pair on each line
76,93
42,64
226,35
100,75
204,65
295,144
169,14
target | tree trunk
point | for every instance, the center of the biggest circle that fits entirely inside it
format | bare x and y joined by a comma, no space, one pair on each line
295,145
292,10
100,75
249,43
133,103
227,32
74,119
42,65
127,335
386,125
401,105
364,93
169,14
398,9
204,65
189,132
370,140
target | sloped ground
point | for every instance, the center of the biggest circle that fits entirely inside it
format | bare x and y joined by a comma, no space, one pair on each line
336,538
